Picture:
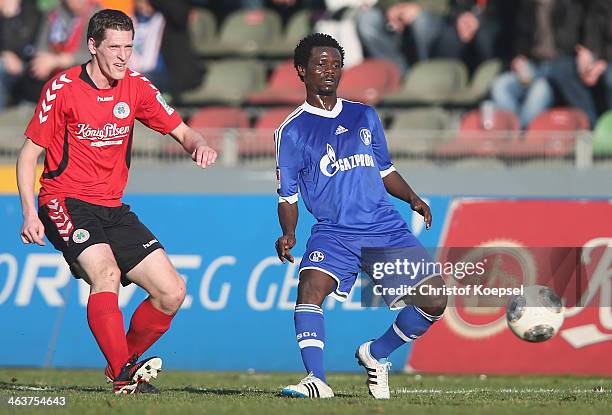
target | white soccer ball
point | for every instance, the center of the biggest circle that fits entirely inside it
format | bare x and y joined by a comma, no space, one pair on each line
535,316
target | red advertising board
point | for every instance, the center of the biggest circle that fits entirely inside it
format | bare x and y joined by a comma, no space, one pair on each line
470,340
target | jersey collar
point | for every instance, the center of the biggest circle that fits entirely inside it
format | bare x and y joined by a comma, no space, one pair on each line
87,79
324,113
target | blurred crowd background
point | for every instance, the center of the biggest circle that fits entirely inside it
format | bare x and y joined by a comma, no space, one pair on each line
503,79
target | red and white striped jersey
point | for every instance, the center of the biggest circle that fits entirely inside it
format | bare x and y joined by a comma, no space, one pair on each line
87,133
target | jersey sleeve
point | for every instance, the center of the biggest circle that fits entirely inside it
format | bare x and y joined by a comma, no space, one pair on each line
379,144
289,163
153,111
49,116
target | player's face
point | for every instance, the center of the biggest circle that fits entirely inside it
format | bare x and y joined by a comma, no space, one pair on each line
324,70
113,53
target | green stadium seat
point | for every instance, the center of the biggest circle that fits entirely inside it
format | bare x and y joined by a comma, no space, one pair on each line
226,82
202,29
298,27
602,135
480,84
418,130
434,81
13,122
245,33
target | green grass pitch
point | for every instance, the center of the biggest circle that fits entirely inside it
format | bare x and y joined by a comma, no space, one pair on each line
257,393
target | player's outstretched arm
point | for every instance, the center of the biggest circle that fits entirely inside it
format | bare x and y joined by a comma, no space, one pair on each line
397,186
287,217
194,143
32,229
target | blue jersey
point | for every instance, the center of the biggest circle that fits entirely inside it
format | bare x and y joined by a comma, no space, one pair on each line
337,159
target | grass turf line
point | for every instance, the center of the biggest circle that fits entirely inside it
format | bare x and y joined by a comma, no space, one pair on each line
253,394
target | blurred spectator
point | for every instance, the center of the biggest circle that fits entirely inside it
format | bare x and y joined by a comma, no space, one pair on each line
392,29
473,30
126,6
546,30
340,21
61,44
162,47
19,23
588,75
284,7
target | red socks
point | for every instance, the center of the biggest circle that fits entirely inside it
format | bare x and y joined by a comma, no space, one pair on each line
147,325
106,324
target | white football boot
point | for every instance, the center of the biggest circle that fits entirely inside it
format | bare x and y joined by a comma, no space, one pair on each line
378,373
309,387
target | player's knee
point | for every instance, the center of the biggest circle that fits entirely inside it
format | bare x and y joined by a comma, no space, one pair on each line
434,305
434,302
311,291
172,299
105,278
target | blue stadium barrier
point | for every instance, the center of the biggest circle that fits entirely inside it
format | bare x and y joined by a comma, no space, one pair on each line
238,313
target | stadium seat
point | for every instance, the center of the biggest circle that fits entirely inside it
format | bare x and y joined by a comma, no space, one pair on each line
226,82
260,140
215,122
473,139
417,131
434,81
284,88
602,135
297,27
551,134
13,122
480,84
202,29
245,33
369,81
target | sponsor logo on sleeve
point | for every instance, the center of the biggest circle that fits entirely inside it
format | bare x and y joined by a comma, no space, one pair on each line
164,104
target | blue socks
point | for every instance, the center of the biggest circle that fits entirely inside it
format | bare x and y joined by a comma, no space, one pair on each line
409,325
310,334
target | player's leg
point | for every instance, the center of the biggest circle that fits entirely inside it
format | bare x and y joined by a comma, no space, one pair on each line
74,228
143,261
158,277
313,288
328,267
412,321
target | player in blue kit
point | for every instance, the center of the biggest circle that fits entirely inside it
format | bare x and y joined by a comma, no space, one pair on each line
334,151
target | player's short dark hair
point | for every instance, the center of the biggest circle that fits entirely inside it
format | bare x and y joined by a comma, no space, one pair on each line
108,19
304,48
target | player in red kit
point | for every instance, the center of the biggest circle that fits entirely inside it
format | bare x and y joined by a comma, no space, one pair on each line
85,121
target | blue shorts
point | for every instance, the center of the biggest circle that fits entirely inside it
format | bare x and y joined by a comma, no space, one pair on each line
339,256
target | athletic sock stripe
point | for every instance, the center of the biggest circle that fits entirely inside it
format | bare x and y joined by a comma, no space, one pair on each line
311,343
426,315
400,334
309,306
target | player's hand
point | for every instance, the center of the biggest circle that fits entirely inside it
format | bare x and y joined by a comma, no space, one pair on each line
421,207
204,156
32,231
283,247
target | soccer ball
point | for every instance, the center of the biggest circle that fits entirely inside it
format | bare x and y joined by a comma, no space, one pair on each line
535,316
